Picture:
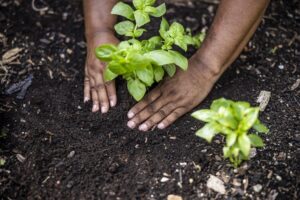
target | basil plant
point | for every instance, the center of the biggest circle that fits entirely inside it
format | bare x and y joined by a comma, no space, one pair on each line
143,62
233,120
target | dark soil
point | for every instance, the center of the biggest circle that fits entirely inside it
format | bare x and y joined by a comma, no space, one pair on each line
56,148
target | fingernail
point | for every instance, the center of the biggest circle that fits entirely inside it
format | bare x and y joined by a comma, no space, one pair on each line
112,103
104,109
86,99
131,124
130,114
143,127
95,108
161,126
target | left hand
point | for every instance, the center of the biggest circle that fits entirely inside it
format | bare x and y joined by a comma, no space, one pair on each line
174,97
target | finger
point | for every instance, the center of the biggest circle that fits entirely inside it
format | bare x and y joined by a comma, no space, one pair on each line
152,96
111,93
94,96
87,90
147,112
102,95
172,117
157,117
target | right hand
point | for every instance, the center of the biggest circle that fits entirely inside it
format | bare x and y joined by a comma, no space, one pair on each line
103,94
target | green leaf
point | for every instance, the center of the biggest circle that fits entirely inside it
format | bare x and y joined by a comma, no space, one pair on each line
141,18
124,10
179,59
205,115
170,69
139,32
149,2
139,4
176,29
164,27
109,75
125,28
159,11
146,75
230,139
228,121
239,109
207,132
136,88
149,9
244,144
116,68
124,45
259,127
181,43
160,57
105,51
158,73
222,102
256,141
226,152
251,115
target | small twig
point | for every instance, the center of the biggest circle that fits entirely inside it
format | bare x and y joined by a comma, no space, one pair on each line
38,9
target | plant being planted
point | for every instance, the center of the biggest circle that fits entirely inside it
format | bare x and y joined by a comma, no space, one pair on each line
143,62
233,120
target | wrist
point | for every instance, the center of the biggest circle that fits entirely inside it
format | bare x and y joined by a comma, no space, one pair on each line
94,33
209,68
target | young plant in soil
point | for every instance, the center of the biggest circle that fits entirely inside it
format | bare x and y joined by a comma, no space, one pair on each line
143,62
233,120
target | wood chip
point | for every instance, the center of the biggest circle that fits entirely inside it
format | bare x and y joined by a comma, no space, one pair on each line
20,158
174,197
263,99
11,55
296,84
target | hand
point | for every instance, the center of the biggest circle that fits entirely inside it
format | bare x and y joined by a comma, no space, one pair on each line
174,97
103,93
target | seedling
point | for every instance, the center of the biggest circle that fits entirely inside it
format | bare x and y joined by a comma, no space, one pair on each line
233,120
143,62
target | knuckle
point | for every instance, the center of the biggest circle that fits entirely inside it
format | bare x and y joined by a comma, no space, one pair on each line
151,108
162,113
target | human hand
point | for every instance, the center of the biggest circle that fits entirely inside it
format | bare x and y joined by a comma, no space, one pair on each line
174,97
103,94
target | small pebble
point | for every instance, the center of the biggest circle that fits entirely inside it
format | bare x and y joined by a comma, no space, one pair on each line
71,154
164,179
281,66
257,188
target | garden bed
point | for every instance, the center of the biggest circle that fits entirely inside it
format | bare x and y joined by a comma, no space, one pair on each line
56,148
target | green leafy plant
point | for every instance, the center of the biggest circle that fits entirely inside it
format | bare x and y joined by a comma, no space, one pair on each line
233,120
144,62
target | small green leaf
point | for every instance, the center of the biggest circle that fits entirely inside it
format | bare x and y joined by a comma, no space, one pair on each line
105,51
170,69
205,115
256,141
251,115
139,4
125,28
244,144
176,29
149,9
207,132
164,27
146,75
116,68
226,152
136,88
124,45
230,139
2,162
139,32
179,60
159,11
228,121
124,10
160,57
109,75
149,2
181,43
259,127
222,102
141,18
158,73
239,109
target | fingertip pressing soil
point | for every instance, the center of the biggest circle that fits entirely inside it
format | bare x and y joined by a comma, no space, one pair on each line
56,148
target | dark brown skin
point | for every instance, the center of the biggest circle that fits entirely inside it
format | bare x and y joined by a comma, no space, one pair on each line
234,24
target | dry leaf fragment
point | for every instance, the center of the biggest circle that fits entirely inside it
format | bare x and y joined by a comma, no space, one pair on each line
263,99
